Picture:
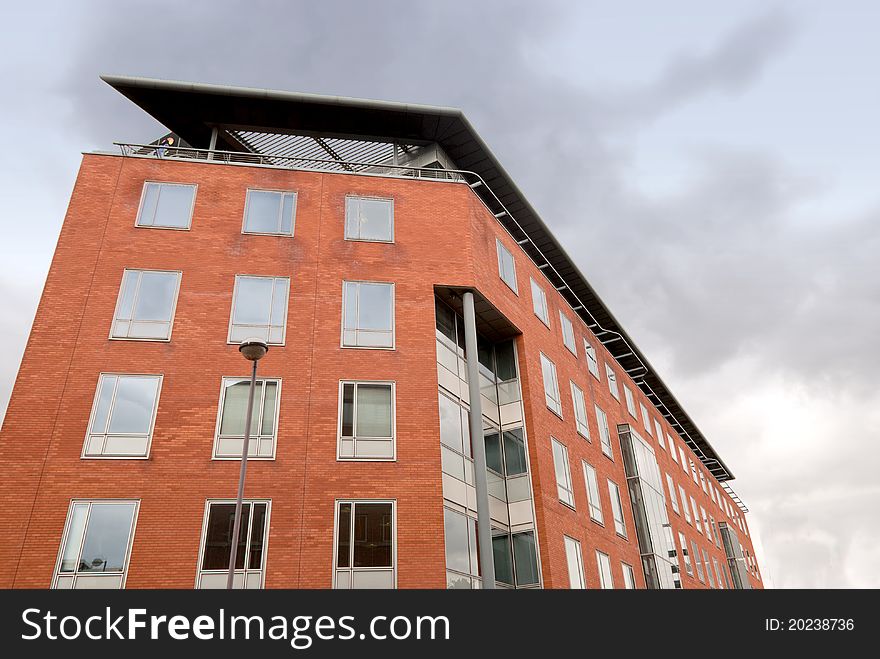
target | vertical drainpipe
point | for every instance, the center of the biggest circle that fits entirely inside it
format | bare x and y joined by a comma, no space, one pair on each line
478,446
213,144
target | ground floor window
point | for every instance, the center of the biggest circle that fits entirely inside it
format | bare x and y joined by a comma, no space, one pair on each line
365,552
250,556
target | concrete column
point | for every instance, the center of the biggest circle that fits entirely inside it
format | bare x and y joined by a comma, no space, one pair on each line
484,522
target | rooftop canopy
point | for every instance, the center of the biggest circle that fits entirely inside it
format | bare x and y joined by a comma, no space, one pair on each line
193,111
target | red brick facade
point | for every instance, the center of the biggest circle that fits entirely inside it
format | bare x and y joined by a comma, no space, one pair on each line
443,236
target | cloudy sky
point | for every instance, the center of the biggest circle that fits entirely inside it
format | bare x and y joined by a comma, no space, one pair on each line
712,168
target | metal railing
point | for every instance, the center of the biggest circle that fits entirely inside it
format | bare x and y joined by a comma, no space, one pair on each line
473,180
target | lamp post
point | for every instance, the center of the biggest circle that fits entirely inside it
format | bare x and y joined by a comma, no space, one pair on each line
253,350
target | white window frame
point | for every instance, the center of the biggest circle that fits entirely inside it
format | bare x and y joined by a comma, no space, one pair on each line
617,509
567,487
539,302
603,563
684,505
630,401
499,246
697,523
366,240
594,500
351,569
673,448
659,429
579,403
629,576
258,411
698,562
247,200
673,498
683,456
75,576
355,438
592,359
567,330
604,432
646,418
685,554
86,455
342,342
241,576
611,376
141,271
552,396
259,328
188,226
573,550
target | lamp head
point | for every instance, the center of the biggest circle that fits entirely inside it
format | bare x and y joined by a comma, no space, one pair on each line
253,349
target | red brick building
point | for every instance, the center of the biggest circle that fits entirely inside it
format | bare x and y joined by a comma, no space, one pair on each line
355,237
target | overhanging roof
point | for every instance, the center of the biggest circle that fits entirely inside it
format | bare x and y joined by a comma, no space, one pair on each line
192,110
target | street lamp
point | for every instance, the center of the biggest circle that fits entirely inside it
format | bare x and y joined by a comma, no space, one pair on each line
253,350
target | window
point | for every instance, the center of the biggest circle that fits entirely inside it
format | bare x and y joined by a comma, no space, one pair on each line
365,537
703,483
592,360
683,459
660,434
563,473
684,505
606,580
123,415
506,266
712,492
706,523
673,500
366,421
567,333
259,309
629,577
593,501
551,386
646,419
250,553
166,206
145,306
604,435
708,569
233,412
697,522
367,315
715,532
369,219
717,573
462,564
270,212
612,381
575,563
630,403
697,562
694,472
684,554
96,544
672,450
617,508
580,410
539,303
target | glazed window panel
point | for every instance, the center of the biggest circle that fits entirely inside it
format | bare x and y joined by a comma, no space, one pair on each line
270,212
217,539
368,315
593,500
259,309
166,205
580,410
567,333
575,562
123,415
629,577
646,418
551,385
365,556
630,402
659,430
367,420
563,473
145,306
606,579
506,266
592,359
233,414
673,498
539,303
612,381
604,433
617,508
369,219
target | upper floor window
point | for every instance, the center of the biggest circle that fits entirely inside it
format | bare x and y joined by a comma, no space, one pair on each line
123,415
629,577
646,418
684,553
683,459
672,450
697,522
145,306
580,410
606,580
697,562
630,402
95,545
604,434
563,474
270,212
673,499
551,386
684,505
539,303
659,429
166,205
592,361
612,381
593,501
366,421
367,315
250,554
233,413
506,266
364,555
567,333
575,562
369,219
259,309
617,508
